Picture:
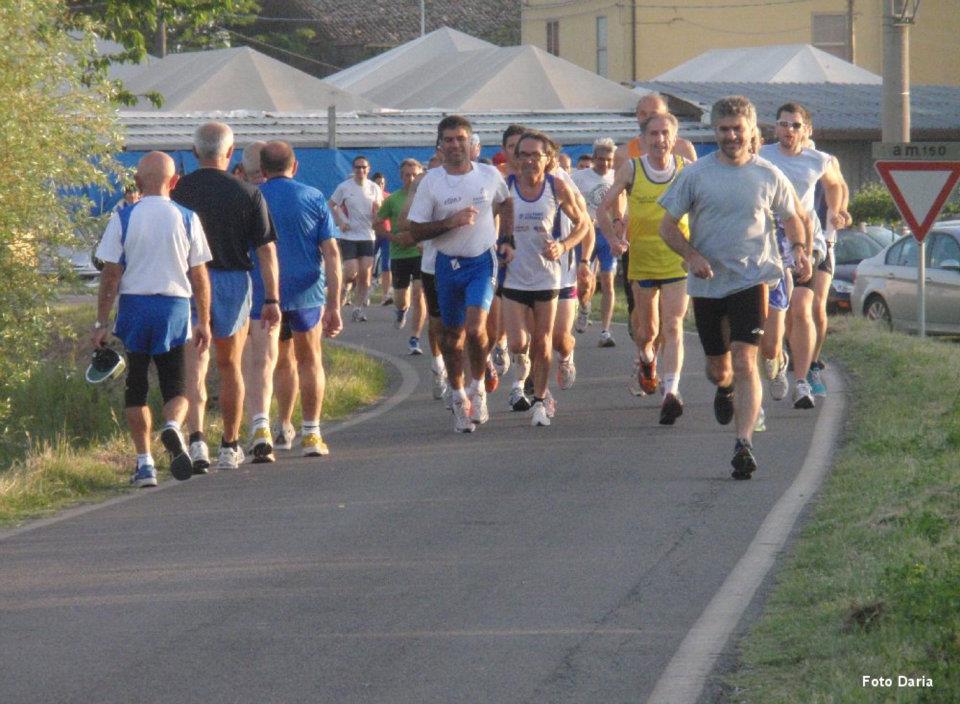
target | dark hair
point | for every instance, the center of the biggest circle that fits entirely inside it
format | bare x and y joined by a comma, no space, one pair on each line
794,107
549,146
377,175
357,158
510,131
453,122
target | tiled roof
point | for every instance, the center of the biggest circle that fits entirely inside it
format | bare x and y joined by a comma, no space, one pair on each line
387,24
839,111
169,131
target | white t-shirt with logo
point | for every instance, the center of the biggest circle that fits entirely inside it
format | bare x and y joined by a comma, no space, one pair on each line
357,202
441,194
594,187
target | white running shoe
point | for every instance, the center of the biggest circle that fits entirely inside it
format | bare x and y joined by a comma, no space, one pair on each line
439,384
314,446
550,404
200,456
802,395
284,437
583,319
230,458
262,450
566,373
518,400
606,339
761,424
779,384
478,407
538,415
461,414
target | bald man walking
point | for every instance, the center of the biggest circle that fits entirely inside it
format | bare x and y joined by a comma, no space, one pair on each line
154,255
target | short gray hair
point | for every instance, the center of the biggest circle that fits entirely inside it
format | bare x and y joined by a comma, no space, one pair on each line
604,144
212,140
733,106
669,117
251,157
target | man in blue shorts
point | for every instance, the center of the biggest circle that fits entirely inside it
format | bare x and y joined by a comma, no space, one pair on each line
456,206
154,255
236,222
309,279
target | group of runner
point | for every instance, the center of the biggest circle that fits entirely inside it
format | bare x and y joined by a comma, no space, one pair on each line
494,261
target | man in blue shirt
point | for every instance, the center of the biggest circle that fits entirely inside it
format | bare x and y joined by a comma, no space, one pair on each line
309,261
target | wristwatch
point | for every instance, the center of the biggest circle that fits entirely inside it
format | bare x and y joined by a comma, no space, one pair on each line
97,325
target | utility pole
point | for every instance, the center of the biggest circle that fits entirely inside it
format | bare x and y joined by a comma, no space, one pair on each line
160,45
423,17
851,35
898,15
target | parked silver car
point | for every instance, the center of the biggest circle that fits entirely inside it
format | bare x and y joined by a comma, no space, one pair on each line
885,287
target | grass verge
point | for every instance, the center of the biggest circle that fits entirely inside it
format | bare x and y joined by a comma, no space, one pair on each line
873,585
67,442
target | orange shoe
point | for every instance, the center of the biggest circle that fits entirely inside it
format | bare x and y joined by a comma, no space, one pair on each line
648,377
491,380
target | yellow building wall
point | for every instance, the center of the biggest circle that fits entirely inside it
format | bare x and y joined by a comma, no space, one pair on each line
666,38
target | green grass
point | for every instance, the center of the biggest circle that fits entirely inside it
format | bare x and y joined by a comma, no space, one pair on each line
67,440
873,584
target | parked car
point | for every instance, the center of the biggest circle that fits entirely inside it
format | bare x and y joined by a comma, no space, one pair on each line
885,288
852,247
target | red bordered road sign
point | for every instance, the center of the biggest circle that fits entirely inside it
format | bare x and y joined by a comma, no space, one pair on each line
920,189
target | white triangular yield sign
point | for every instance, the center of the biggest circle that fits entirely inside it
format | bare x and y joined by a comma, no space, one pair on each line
920,189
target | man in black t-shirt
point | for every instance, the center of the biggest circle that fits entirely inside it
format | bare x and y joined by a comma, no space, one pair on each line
236,221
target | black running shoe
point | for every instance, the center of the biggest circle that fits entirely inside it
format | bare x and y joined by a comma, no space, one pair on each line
181,466
670,409
743,462
723,405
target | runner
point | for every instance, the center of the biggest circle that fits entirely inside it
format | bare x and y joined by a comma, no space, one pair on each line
404,261
803,167
732,259
354,205
383,272
650,104
456,204
309,280
260,356
154,255
594,184
532,283
236,222
657,276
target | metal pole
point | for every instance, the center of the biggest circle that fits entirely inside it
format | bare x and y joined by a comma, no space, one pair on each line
896,75
922,289
332,127
423,17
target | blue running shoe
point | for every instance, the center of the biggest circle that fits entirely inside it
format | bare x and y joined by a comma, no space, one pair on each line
815,379
144,476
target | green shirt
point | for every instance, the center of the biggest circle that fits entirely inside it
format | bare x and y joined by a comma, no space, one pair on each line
390,210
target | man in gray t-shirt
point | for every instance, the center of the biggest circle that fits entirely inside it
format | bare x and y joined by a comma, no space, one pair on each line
731,197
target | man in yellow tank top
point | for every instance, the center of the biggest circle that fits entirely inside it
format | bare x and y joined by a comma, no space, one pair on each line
657,277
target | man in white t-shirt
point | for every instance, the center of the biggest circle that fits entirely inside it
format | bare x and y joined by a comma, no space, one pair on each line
155,255
354,205
456,206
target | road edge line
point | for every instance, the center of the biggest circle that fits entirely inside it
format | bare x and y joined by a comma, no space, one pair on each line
684,678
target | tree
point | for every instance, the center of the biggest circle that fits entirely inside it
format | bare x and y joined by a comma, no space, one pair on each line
58,135
142,25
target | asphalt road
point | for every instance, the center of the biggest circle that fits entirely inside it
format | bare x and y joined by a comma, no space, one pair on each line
517,564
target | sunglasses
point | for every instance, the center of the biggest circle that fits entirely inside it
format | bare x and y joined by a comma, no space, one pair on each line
786,125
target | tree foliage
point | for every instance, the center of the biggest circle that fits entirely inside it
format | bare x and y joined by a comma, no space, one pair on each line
58,134
873,204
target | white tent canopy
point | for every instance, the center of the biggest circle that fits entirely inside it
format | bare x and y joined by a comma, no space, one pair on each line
452,71
235,79
418,55
786,63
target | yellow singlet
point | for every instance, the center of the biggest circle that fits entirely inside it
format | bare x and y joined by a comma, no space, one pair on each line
650,258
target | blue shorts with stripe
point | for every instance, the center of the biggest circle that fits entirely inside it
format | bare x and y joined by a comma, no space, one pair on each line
464,282
230,300
152,324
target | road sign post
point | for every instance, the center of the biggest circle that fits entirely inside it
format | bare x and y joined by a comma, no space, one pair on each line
920,178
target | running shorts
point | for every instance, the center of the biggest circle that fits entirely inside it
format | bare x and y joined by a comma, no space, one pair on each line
745,312
152,324
230,300
354,249
464,282
404,271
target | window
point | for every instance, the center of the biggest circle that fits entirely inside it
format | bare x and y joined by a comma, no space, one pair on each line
553,37
944,249
904,253
831,34
602,46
